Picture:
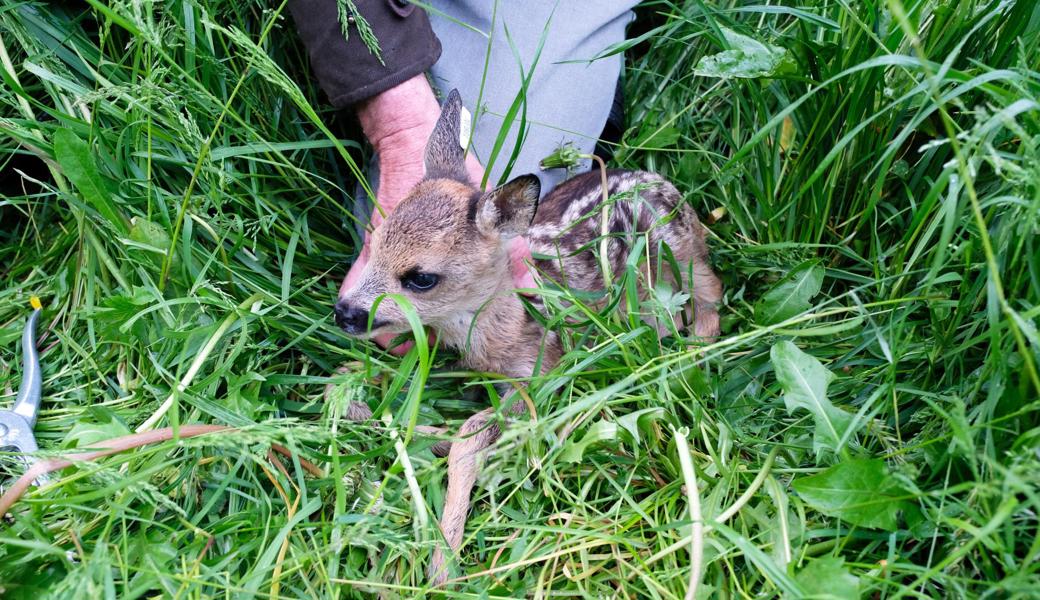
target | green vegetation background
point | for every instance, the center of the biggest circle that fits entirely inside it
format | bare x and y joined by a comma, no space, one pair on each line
173,186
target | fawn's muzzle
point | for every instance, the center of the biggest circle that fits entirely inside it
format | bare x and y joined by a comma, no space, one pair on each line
352,319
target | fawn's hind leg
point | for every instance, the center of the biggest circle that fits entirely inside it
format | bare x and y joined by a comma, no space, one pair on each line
705,290
704,287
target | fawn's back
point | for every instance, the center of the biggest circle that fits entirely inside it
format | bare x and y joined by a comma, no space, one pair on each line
565,233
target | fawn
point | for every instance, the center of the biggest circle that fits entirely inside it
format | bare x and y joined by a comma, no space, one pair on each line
444,248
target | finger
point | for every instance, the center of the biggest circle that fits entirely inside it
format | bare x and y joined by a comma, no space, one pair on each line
475,170
519,259
385,339
524,280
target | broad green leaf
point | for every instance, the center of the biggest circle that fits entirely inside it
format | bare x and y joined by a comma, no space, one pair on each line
657,137
626,428
639,420
601,431
99,424
860,491
152,241
791,295
117,310
77,162
827,578
148,233
671,300
243,395
688,376
747,58
804,382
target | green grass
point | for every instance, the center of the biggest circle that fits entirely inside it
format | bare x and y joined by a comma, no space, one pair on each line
171,192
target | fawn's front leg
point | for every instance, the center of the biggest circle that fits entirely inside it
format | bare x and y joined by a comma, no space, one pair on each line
360,412
464,460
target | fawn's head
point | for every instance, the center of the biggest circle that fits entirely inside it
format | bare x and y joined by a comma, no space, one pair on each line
444,246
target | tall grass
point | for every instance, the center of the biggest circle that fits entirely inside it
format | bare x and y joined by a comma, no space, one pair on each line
174,188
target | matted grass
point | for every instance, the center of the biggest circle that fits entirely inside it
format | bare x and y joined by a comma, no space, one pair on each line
170,191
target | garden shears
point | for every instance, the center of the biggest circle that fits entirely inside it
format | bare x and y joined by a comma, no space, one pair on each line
16,425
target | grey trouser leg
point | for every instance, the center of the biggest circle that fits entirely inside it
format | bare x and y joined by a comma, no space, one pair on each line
568,99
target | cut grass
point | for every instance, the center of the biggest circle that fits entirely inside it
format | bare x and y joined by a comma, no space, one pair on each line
195,251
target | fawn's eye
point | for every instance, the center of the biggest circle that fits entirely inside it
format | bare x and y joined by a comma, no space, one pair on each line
417,281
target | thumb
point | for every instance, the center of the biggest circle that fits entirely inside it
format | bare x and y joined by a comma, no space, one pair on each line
519,257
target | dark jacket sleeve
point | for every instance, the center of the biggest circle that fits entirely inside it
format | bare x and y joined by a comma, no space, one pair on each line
345,68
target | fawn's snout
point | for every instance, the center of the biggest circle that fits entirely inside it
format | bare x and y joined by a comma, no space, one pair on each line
353,319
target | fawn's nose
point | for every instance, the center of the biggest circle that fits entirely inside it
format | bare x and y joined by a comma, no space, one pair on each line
351,318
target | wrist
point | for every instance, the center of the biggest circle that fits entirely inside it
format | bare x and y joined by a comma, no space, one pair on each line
399,121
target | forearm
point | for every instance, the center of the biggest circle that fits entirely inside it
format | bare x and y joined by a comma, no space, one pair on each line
400,118
398,123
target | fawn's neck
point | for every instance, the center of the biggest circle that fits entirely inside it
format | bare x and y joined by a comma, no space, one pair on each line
502,337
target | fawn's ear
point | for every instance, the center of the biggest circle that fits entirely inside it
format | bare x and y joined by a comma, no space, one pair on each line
444,153
509,209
